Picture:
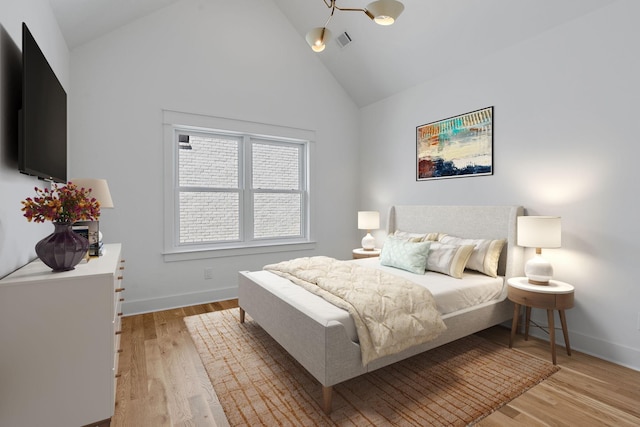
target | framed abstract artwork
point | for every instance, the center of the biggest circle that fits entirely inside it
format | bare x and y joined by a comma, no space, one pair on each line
459,146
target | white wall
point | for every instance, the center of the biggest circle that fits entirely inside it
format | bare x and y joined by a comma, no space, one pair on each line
564,144
240,60
17,236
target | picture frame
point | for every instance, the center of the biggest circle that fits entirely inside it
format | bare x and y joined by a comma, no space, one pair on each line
459,146
91,230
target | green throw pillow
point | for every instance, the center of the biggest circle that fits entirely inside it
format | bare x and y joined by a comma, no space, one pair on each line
407,255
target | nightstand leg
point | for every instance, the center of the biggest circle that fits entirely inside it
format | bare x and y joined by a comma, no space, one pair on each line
552,335
526,324
514,323
565,331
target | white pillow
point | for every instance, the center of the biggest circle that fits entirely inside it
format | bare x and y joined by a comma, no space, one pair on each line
418,237
408,236
448,259
485,255
407,255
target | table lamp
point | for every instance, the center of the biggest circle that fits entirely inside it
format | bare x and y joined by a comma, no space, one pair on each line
368,220
539,232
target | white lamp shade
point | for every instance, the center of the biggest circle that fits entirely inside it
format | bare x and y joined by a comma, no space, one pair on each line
539,231
317,38
385,12
99,190
368,220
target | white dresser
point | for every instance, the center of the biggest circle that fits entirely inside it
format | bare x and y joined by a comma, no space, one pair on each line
59,343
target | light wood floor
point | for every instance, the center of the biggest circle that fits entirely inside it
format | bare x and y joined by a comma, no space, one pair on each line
163,381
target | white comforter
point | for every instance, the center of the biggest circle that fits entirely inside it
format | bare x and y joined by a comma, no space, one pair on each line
390,313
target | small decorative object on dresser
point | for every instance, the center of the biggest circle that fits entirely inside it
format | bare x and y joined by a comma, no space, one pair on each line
555,296
62,205
63,249
93,233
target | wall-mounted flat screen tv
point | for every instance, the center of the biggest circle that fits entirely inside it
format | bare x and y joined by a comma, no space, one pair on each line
42,145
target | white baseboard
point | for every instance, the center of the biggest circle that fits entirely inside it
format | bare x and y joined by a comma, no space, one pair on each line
605,350
131,307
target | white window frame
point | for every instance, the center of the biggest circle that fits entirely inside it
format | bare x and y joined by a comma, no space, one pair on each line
174,122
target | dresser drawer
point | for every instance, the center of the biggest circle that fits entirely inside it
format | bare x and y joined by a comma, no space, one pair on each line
118,286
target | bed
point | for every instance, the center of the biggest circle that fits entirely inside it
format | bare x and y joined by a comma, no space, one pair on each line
320,336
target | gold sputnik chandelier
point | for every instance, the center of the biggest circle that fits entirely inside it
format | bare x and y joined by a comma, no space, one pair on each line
382,12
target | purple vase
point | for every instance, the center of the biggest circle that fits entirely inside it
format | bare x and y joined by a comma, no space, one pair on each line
63,249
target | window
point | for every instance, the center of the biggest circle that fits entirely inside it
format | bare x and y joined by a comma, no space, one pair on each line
233,190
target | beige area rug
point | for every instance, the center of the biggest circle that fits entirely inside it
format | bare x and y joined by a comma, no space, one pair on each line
457,384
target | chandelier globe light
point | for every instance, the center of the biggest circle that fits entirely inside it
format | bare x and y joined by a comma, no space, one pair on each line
317,38
385,12
382,12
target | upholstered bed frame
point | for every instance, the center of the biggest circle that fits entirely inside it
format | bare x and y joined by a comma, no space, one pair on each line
326,351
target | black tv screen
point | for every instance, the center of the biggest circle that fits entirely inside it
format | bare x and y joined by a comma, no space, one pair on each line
42,145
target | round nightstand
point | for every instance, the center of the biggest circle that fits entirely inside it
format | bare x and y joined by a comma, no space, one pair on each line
364,253
554,296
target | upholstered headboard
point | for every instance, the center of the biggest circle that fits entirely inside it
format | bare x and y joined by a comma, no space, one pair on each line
473,222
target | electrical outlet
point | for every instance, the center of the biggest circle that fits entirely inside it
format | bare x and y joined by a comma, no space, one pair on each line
208,273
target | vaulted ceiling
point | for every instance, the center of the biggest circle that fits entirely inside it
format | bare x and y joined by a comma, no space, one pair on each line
430,38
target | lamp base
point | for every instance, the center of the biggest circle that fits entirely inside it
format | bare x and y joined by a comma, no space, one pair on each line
539,283
368,242
538,270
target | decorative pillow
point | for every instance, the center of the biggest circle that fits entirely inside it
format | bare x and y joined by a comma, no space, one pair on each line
434,237
418,237
485,255
407,255
448,259
408,236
